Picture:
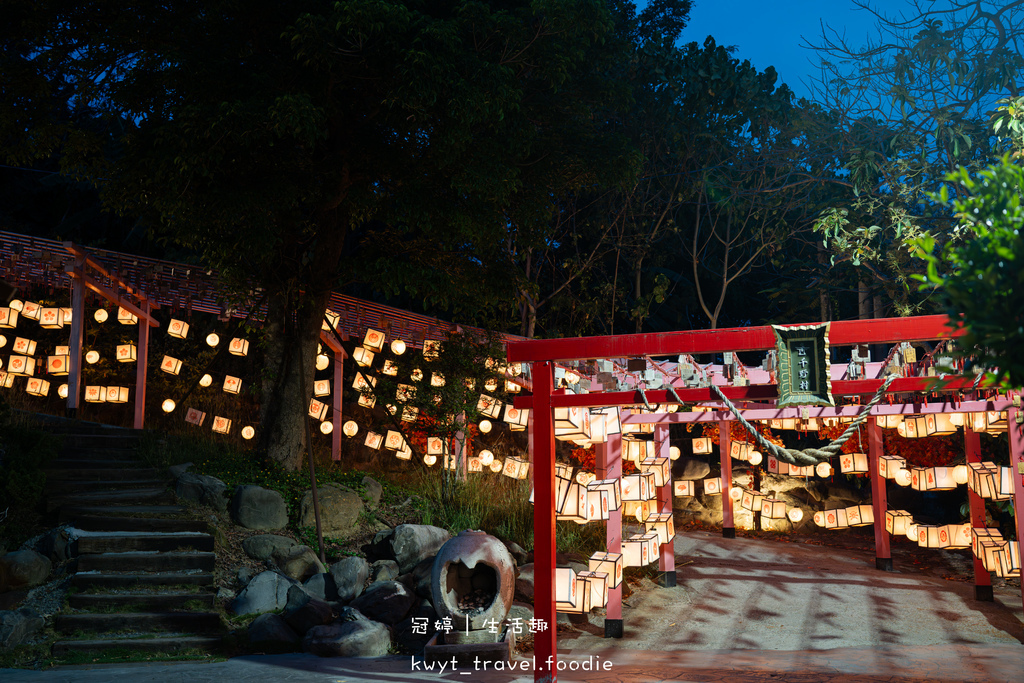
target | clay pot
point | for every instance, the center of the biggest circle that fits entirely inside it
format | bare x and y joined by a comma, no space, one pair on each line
473,578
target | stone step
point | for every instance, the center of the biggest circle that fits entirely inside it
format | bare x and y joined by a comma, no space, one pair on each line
100,440
191,622
103,473
165,644
116,523
69,513
87,453
111,581
146,562
85,485
158,602
115,542
96,463
150,496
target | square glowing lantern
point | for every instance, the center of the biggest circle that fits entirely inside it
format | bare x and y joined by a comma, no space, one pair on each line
889,465
322,387
8,318
713,486
31,310
773,508
232,385
221,425
126,353
635,551
404,453
776,466
6,379
390,368
795,471
362,383
638,486
405,393
860,515
516,417
1009,560
610,564
611,421
238,347
367,400
939,479
637,451
702,446
939,424
740,450
94,394
449,462
851,463
683,488
410,413
362,357
116,395
37,387
933,536
21,365
436,379
170,365
596,587
51,318
68,315
317,409
512,387
662,524
572,423
126,317
751,500
489,406
516,468
1005,489
373,440
897,521
960,535
330,321
889,421
436,446
431,349
836,519
919,478
394,440
24,346
374,340
982,478
177,328
574,506
567,595
988,551
57,365
661,468
981,534
474,465
610,491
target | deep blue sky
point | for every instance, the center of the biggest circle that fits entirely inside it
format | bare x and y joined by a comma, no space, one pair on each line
769,33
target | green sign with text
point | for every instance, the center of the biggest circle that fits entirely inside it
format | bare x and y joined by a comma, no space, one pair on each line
804,374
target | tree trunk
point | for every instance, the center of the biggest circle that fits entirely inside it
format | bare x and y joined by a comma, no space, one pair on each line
863,301
824,300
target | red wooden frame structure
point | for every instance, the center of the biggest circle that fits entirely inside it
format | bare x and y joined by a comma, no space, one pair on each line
542,354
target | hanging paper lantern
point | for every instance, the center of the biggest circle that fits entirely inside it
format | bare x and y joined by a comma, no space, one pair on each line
331,320
751,500
126,353
117,395
95,394
248,432
62,391
889,465
516,468
373,440
661,468
429,460
205,380
21,365
317,410
232,385
212,339
431,349
404,453
31,310
850,463
410,413
398,347
194,416
683,488
238,347
823,470
126,317
221,425
326,427
367,400
100,315
350,428
24,346
713,486
702,445
8,318
485,426
662,524
897,521
37,387
497,466
860,515
373,341
362,357
795,515
51,318
177,328
57,365
170,365
608,563
322,387
168,405
322,361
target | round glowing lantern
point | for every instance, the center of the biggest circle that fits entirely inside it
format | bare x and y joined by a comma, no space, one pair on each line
430,460
397,347
486,458
903,477
496,466
350,428
735,493
485,426
212,339
205,381
795,514
823,469
168,405
92,356
322,361
960,474
326,427
755,458
673,452
100,315
62,391
248,432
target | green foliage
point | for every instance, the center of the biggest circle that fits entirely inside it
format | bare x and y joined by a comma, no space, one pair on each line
24,453
981,280
497,505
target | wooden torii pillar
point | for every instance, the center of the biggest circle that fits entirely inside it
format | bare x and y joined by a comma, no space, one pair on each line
339,377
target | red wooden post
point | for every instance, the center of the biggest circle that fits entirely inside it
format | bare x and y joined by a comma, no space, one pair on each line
529,445
1016,463
339,378
724,448
879,502
77,328
140,368
545,642
667,559
609,466
982,579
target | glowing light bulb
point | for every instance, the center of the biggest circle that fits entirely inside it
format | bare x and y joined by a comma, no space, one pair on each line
212,339
398,347
248,432
485,426
168,405
326,427
205,381
92,357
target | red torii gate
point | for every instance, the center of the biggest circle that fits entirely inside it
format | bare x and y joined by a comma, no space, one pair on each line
542,354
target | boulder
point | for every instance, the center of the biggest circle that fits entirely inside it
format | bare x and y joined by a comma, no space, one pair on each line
264,546
413,543
225,594
383,570
202,489
17,626
521,611
690,469
244,576
255,507
23,569
413,632
358,638
418,580
349,577
373,491
524,582
303,612
340,509
517,552
55,545
380,547
178,470
266,592
272,633
388,602
299,562
321,586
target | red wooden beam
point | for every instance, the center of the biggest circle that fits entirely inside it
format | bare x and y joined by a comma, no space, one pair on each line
842,333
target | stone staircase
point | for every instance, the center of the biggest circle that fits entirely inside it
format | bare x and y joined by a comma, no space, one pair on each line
144,575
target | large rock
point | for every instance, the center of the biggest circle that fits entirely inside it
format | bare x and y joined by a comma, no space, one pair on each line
266,592
349,577
16,626
55,545
255,507
264,546
413,543
690,469
202,489
373,490
321,586
23,569
524,582
270,632
299,562
304,612
380,547
383,570
388,602
358,638
340,509
178,470
413,632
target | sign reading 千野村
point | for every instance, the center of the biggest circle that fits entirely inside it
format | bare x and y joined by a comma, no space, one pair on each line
804,378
